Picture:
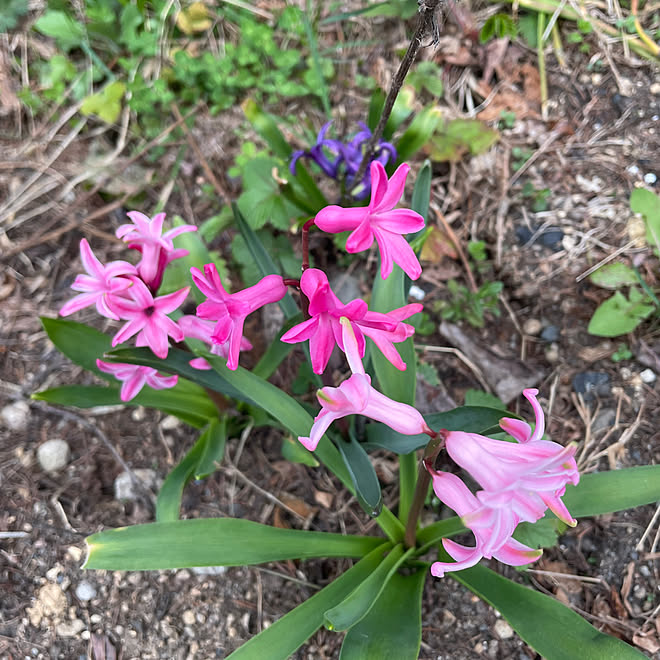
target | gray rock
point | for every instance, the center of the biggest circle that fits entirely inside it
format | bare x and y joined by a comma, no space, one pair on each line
15,416
209,570
591,384
85,591
604,419
53,455
550,333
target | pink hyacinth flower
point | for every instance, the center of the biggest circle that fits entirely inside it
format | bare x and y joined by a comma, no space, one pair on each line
135,378
101,280
157,249
379,220
492,527
528,476
231,310
146,316
197,328
356,396
324,330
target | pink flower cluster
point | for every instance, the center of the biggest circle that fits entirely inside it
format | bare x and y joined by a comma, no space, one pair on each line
519,481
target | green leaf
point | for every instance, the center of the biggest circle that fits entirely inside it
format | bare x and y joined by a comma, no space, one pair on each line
459,137
67,33
401,110
471,419
433,534
10,12
421,196
262,259
647,203
267,127
80,343
419,132
214,542
613,276
280,640
106,103
399,385
392,630
481,398
617,315
358,603
541,534
606,492
293,451
363,475
187,401
198,463
552,629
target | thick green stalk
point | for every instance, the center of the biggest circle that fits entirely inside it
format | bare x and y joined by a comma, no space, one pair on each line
407,481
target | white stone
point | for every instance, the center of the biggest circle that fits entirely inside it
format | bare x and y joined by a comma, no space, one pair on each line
650,178
124,487
53,455
648,376
188,617
417,292
170,423
532,327
85,591
69,628
209,570
15,416
503,630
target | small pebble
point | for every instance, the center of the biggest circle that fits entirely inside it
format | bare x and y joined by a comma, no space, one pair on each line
417,292
532,327
15,416
69,628
591,383
633,170
188,617
53,455
503,630
170,423
650,178
603,420
639,592
550,333
552,353
85,591
552,238
655,88
209,570
648,376
124,487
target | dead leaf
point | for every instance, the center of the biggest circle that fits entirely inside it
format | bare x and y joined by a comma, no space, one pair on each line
101,648
647,641
301,507
323,498
437,246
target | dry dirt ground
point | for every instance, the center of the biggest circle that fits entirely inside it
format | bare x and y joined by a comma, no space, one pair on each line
601,137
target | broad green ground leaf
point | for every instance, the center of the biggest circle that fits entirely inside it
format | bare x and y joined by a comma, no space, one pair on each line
194,18
618,315
471,419
552,629
647,203
106,104
392,630
266,126
363,474
186,401
214,542
402,109
358,603
459,137
198,463
613,276
616,490
280,640
67,33
80,343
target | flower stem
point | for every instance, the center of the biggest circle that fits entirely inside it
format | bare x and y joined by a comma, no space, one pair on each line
421,489
425,17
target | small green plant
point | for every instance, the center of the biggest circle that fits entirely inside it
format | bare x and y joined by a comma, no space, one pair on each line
507,119
498,26
619,314
428,76
538,198
621,353
464,305
520,156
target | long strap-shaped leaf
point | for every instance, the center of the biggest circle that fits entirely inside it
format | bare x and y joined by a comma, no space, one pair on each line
392,630
287,634
552,629
215,542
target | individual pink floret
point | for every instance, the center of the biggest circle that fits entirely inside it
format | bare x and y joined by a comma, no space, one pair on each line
356,396
197,328
135,378
323,329
528,476
379,220
157,249
231,310
101,281
146,316
492,527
